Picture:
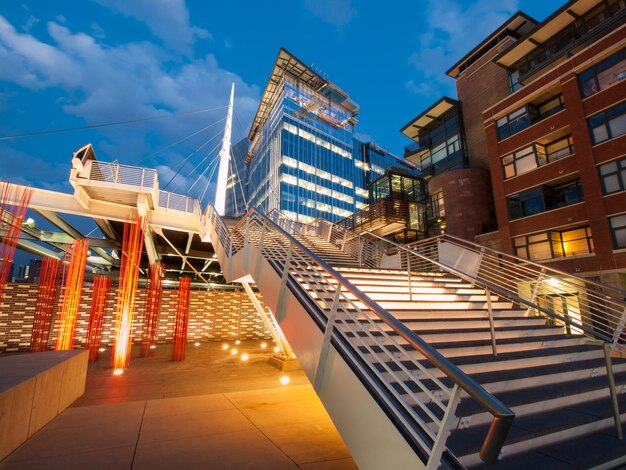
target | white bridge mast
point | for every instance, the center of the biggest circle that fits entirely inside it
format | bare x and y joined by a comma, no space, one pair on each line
222,174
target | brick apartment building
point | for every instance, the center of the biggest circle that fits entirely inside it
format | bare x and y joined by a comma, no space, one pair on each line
543,108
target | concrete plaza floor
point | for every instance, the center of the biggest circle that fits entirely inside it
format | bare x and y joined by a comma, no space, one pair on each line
211,411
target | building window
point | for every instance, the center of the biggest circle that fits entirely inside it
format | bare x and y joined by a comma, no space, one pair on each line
618,229
544,198
604,74
608,124
527,115
536,155
613,176
554,244
436,208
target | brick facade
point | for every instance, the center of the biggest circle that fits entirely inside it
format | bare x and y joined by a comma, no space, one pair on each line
596,207
213,316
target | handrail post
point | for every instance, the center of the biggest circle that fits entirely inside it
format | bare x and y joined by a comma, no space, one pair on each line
533,298
614,403
328,333
492,328
116,179
408,271
617,335
360,251
434,461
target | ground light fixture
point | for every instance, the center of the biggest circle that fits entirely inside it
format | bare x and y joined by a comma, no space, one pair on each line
263,345
285,380
196,344
237,342
101,349
225,346
276,349
233,351
245,357
118,371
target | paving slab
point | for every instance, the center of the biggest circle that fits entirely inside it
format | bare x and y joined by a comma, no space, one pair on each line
225,415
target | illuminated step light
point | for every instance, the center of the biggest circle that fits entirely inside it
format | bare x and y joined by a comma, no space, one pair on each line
153,346
196,344
233,351
263,345
102,349
237,342
276,349
245,357
118,371
225,346
285,380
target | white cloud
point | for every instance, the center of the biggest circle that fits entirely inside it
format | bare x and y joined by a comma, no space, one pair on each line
454,27
335,12
167,19
104,83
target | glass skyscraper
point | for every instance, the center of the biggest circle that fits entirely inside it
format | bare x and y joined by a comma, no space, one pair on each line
303,157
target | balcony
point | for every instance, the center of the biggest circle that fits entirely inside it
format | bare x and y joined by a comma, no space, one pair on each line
383,217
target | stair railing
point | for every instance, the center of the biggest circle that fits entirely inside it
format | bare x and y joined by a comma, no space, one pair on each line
597,311
402,371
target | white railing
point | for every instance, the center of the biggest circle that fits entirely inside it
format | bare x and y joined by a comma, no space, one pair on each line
114,173
379,347
178,202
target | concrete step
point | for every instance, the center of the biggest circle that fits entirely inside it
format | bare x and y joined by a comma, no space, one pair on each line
541,431
434,305
505,380
483,347
542,398
427,325
463,335
521,359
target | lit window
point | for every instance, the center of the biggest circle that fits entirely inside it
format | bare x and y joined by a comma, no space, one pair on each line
554,244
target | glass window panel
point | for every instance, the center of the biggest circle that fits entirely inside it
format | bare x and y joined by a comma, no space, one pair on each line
608,168
600,134
618,126
611,184
540,251
526,164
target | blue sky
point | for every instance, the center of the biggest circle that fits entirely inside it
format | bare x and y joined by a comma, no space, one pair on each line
71,63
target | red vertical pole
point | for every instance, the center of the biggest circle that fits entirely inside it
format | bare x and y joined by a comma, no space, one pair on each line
182,320
132,247
14,202
72,291
101,287
46,300
153,306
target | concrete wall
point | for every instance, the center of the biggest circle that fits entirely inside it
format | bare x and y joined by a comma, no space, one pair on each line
213,316
35,388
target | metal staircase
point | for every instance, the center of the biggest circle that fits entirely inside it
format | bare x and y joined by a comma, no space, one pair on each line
421,337
443,354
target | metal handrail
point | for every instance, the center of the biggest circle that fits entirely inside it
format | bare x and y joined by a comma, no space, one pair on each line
116,173
503,416
600,309
493,287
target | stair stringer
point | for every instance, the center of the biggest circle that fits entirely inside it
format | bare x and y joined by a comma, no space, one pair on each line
373,440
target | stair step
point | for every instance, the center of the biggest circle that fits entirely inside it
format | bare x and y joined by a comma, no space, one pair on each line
427,325
455,349
539,432
538,399
462,335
